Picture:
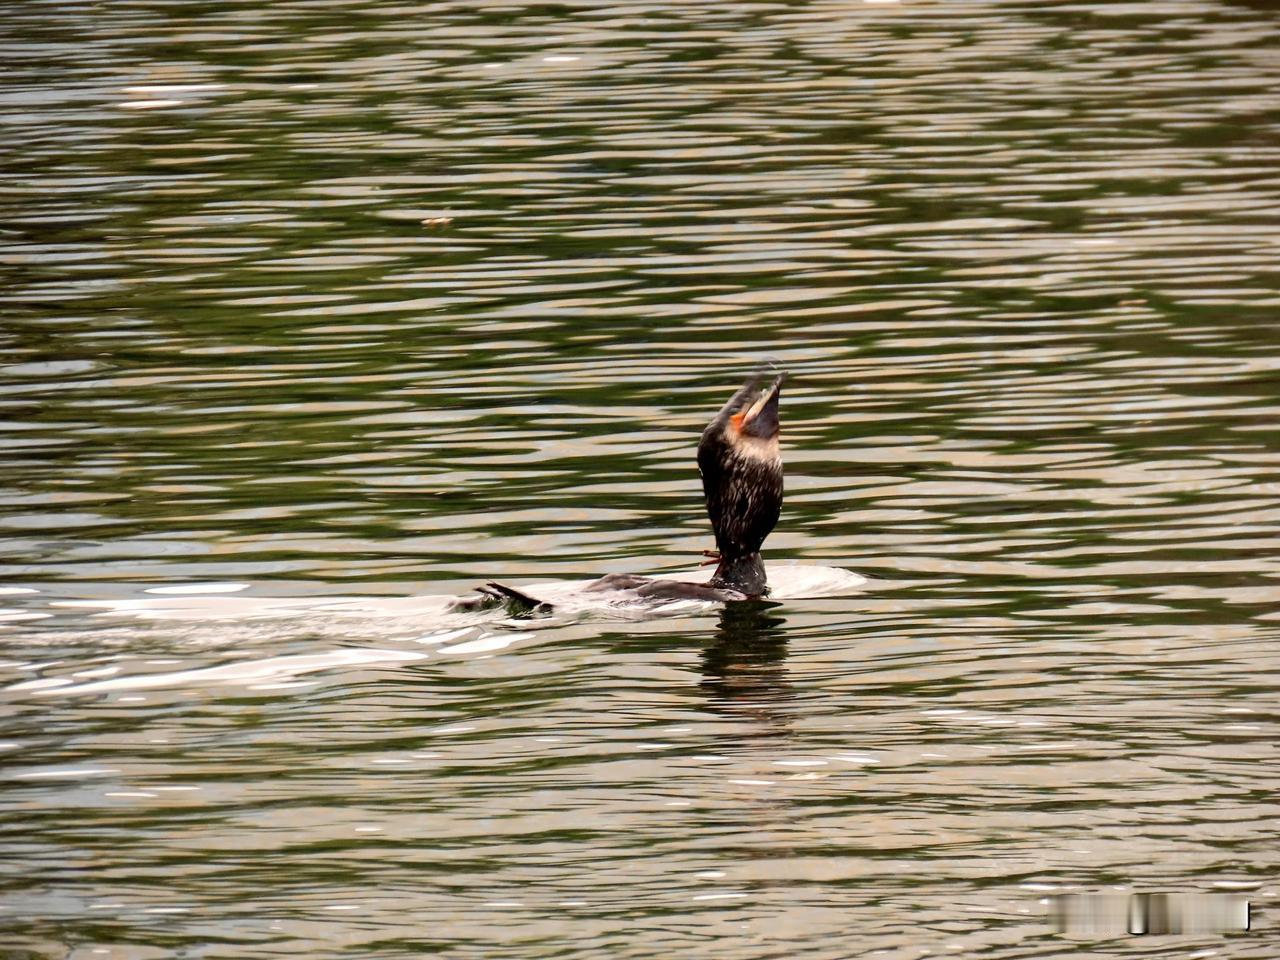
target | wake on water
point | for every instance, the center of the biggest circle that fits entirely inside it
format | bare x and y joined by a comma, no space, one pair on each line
216,615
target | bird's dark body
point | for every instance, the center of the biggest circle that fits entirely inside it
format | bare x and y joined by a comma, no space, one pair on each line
744,499
620,584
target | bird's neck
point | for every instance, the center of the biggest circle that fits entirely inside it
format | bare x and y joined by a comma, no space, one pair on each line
742,573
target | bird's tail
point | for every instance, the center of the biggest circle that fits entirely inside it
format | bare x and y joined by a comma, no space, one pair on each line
520,601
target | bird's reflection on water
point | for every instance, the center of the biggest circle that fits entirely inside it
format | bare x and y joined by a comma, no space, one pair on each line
744,668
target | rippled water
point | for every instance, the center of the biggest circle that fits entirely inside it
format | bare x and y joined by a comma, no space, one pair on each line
315,314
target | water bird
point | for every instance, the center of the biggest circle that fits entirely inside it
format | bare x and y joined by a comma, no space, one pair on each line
741,466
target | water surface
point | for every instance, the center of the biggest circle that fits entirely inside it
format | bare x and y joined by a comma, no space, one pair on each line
314,315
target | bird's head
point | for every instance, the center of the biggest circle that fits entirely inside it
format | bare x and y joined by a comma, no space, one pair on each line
749,421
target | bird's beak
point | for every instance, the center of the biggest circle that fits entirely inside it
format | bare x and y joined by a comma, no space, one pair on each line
761,418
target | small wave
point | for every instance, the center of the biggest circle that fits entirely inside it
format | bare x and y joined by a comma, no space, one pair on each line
251,672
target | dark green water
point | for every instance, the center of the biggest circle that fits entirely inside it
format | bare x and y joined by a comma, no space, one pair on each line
302,301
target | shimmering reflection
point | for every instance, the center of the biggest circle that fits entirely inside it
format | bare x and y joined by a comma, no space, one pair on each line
375,301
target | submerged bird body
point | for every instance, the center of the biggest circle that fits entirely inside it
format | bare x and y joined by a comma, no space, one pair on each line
741,467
